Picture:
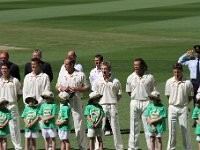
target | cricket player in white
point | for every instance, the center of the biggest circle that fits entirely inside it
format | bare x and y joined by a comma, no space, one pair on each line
96,72
77,66
36,82
110,88
11,90
179,91
139,86
75,81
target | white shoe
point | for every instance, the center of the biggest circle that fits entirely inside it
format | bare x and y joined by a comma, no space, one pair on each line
107,133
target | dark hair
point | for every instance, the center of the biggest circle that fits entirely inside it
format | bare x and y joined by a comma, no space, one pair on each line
5,64
142,63
106,63
37,51
37,60
99,56
178,66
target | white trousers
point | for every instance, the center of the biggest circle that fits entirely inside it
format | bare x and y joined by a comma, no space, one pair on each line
111,112
14,125
79,125
137,109
178,115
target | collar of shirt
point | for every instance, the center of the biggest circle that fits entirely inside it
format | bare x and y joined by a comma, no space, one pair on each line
71,75
183,80
97,70
6,81
39,75
110,79
143,76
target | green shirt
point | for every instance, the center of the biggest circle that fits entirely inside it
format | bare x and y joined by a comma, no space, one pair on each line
95,112
154,112
196,115
64,114
47,110
30,114
4,116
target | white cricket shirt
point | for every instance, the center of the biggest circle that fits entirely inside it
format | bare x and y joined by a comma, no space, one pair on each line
110,89
178,91
94,75
76,79
35,85
10,89
140,87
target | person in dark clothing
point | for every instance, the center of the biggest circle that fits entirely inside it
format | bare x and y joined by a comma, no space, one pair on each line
46,67
14,68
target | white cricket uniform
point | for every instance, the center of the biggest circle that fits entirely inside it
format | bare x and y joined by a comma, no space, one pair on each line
77,66
35,85
94,75
179,93
10,89
110,89
140,89
76,79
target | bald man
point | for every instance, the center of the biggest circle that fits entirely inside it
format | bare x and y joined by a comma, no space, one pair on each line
77,66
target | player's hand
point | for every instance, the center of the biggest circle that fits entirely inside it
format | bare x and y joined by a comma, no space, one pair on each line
29,125
1,126
74,89
64,88
149,121
190,53
93,126
57,123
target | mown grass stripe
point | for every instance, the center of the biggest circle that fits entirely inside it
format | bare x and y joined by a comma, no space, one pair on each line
72,10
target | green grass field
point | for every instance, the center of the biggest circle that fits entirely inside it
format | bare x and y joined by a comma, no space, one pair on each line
120,30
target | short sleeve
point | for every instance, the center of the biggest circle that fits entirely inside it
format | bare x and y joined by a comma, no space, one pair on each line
128,85
167,88
195,113
102,112
23,113
164,113
41,110
55,110
87,111
147,111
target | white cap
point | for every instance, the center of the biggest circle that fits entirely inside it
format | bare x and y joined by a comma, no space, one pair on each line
155,95
94,95
64,95
198,96
47,94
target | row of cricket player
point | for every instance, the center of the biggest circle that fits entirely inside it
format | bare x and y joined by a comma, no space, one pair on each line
40,110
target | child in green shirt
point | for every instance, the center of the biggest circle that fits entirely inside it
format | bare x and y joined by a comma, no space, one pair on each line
48,112
156,115
63,122
196,117
31,117
5,117
94,113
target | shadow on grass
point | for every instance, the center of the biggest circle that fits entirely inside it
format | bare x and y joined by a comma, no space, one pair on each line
123,131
